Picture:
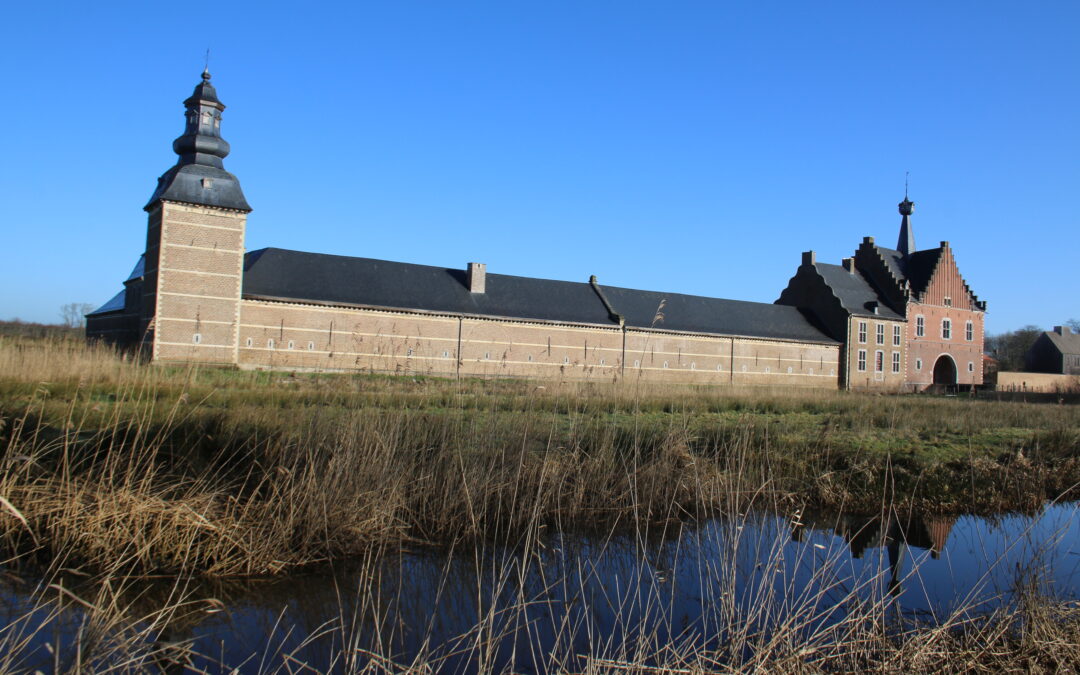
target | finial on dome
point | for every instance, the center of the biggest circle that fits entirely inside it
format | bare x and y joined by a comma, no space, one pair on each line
907,207
206,75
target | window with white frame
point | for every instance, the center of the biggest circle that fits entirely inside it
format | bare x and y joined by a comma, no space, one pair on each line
896,362
971,366
879,361
862,360
270,343
896,335
969,331
880,334
196,338
946,329
292,344
862,332
920,326
918,364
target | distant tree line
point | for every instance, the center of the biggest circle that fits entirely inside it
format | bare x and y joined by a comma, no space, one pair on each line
1009,348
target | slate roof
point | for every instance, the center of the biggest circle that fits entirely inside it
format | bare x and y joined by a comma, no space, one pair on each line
118,301
698,314
920,266
114,305
1066,344
293,275
894,260
279,274
854,292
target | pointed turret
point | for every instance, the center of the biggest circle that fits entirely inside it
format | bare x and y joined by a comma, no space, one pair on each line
199,176
906,243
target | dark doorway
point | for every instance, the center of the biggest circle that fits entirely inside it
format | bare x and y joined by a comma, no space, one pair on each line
945,373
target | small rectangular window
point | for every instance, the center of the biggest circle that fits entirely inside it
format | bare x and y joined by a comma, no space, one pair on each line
862,360
920,326
896,335
969,331
946,329
196,338
896,362
880,334
862,332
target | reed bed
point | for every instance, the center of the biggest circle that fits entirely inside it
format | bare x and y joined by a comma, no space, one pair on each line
112,471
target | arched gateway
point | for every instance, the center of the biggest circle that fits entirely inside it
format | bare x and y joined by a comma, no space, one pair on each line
945,371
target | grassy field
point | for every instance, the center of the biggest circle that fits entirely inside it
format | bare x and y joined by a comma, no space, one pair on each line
230,472
112,469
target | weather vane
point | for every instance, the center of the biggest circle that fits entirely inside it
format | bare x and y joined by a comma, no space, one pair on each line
207,67
906,173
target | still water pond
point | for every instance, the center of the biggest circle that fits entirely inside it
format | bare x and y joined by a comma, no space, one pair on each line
614,597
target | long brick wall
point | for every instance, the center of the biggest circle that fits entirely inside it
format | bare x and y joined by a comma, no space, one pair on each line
314,337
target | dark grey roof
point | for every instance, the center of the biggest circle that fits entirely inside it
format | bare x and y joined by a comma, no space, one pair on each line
281,274
894,260
920,267
139,270
278,274
199,176
114,305
697,314
1066,344
854,292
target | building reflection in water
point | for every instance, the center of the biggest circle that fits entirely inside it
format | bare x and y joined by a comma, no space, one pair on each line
892,530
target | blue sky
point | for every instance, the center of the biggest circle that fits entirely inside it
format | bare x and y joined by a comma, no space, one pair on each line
693,147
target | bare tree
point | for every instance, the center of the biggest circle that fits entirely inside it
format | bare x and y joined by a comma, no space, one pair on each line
1074,324
73,314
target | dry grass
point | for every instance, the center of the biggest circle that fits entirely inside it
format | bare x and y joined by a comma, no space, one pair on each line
114,469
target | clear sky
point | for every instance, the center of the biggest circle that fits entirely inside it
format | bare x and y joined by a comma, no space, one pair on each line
693,147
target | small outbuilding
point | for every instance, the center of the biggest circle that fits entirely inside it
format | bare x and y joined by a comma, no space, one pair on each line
1056,351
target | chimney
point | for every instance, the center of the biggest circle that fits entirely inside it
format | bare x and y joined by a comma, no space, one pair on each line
873,306
1063,330
849,265
809,258
944,244
868,240
477,277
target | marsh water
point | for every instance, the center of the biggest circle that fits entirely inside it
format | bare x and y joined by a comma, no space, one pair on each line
488,607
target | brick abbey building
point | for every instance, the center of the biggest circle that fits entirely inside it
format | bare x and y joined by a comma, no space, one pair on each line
890,319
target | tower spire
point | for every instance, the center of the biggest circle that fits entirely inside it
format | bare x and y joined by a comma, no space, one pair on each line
906,243
199,176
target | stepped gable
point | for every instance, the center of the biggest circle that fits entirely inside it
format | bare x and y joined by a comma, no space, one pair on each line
854,292
698,314
279,274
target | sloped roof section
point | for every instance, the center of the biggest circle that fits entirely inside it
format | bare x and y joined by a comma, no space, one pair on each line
920,268
854,292
274,273
698,314
895,261
279,274
1066,344
114,305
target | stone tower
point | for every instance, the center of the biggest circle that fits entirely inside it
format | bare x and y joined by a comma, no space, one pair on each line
195,245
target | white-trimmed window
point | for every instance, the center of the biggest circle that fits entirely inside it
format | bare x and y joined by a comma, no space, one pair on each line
196,338
880,334
918,364
768,370
948,301
637,363
790,370
862,360
566,359
249,342
920,326
487,355
445,354
969,331
971,366
311,345
665,364
879,361
270,343
896,362
292,344
602,362
896,335
862,332
946,329
719,367
409,352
